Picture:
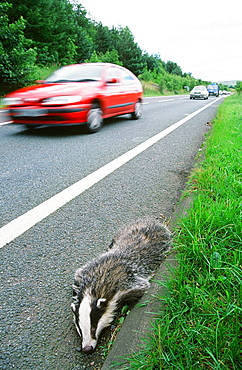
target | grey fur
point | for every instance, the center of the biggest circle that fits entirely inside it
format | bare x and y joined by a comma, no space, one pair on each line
120,275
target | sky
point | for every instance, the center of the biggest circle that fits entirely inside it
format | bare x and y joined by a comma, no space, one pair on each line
203,37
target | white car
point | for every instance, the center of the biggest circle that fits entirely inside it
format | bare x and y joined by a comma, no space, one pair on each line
199,92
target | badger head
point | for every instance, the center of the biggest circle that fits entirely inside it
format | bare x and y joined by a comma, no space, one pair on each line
91,316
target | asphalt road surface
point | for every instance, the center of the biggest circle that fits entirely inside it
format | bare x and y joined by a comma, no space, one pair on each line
61,203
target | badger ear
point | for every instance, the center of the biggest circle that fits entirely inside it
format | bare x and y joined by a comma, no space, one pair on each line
100,302
73,307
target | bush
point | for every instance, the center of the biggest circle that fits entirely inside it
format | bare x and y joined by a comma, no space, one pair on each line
172,83
238,86
17,58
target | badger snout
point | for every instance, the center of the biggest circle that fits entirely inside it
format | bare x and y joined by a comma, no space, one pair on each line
88,349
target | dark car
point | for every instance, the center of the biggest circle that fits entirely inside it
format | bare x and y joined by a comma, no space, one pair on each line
213,89
77,94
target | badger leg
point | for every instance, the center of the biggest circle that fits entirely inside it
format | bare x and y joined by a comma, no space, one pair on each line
133,294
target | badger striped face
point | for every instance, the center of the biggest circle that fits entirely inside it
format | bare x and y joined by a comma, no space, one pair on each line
90,317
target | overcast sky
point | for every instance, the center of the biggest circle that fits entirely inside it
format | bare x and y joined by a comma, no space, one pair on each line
202,37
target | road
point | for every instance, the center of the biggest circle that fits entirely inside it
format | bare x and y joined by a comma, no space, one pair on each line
41,249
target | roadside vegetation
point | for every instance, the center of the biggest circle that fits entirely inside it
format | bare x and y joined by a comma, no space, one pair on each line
200,323
37,37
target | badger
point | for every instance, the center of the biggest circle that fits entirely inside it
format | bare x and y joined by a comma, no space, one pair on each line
118,276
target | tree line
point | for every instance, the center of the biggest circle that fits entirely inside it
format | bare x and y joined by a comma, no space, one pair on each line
41,33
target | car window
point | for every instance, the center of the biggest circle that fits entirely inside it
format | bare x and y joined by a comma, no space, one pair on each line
112,73
76,73
127,78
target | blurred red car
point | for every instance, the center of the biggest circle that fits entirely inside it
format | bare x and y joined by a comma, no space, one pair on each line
77,94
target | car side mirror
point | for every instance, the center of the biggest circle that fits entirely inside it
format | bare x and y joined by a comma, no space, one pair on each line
113,80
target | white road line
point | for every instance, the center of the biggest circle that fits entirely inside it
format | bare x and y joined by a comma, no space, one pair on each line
6,122
161,101
21,224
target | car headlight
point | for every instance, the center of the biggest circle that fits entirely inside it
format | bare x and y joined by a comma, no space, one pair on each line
12,101
59,100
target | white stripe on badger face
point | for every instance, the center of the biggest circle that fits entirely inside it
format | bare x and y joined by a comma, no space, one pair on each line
108,315
85,322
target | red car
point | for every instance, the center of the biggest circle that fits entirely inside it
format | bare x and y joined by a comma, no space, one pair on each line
77,94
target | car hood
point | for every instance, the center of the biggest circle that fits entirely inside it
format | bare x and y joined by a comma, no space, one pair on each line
44,91
198,91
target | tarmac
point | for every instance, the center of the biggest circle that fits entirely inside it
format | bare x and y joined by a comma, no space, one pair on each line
138,323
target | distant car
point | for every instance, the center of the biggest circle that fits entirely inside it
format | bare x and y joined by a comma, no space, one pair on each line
199,92
77,94
225,92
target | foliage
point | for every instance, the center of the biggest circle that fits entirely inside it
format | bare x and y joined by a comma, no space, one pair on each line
108,57
130,53
238,86
58,32
17,58
169,82
173,68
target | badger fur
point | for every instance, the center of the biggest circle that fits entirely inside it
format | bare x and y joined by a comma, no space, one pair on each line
119,276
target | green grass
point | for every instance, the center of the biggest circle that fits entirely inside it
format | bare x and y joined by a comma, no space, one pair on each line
200,323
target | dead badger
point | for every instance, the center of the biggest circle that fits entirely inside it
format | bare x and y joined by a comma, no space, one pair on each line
117,277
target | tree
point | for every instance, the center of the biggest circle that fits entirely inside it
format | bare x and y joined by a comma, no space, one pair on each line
108,57
85,45
154,63
238,86
86,33
130,53
173,68
103,39
61,32
51,25
17,58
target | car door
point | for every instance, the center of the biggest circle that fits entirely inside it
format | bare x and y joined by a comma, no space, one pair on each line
113,93
129,90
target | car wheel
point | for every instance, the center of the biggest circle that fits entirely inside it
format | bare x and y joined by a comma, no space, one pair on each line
138,110
94,118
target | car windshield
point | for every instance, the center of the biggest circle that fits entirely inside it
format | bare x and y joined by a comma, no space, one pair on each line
199,88
76,73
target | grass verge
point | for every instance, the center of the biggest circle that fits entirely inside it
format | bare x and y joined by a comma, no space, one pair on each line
200,323
152,89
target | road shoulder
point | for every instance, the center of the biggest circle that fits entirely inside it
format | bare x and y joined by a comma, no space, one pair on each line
138,323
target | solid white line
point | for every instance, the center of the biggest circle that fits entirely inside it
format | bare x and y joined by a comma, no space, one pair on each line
161,101
6,122
21,224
